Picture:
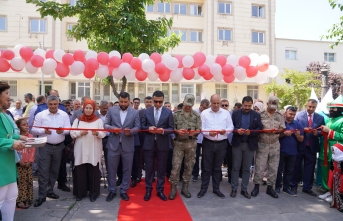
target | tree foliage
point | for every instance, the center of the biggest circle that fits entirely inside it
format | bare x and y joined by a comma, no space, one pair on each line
109,25
297,89
336,31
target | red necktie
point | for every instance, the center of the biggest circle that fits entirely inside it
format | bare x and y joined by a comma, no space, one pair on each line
309,125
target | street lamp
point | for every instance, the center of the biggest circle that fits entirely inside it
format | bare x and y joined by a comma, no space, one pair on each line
324,72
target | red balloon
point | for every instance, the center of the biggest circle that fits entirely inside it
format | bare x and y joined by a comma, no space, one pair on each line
37,61
79,55
221,59
229,79
92,64
188,73
136,64
110,70
199,59
165,76
141,75
88,73
207,77
4,65
251,71
179,58
228,70
244,61
103,58
204,70
127,57
68,59
62,70
263,67
156,57
115,61
50,54
26,53
8,54
160,68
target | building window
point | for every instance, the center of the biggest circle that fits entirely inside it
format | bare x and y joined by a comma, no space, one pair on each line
107,93
195,10
47,87
13,87
152,88
196,36
257,37
183,34
149,8
97,91
198,91
141,91
175,93
131,89
330,57
221,89
165,90
252,91
224,35
257,11
180,9
83,89
37,25
3,23
224,8
186,89
73,2
73,91
163,7
291,55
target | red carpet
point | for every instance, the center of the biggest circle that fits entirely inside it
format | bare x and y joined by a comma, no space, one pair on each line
153,210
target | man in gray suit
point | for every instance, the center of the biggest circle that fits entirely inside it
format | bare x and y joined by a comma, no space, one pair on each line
120,144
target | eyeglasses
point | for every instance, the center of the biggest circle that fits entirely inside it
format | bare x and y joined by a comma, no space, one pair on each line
292,108
225,105
159,102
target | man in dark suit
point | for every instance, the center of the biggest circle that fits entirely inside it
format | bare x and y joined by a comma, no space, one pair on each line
308,149
160,123
244,144
120,144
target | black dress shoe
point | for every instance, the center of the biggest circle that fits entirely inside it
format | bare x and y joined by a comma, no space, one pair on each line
256,190
119,181
79,198
147,195
310,192
124,196
245,194
39,202
219,194
52,196
162,196
92,198
233,193
111,196
63,187
133,183
201,193
271,192
139,179
295,190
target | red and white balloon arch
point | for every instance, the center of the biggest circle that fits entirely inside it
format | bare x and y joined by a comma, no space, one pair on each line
156,66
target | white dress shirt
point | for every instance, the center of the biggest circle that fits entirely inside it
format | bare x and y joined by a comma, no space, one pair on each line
48,119
220,120
122,116
17,113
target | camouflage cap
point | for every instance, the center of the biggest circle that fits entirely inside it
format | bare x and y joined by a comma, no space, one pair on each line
189,100
273,102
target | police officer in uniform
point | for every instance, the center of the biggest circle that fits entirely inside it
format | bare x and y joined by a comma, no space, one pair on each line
187,123
268,151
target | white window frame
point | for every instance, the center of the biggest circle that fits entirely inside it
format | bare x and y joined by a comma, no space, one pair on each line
198,91
151,88
259,7
40,20
179,8
252,91
327,56
73,88
196,7
288,54
258,37
175,93
142,88
13,87
164,7
225,12
223,30
84,85
73,2
222,90
183,36
4,17
198,35
186,89
97,91
69,26
147,6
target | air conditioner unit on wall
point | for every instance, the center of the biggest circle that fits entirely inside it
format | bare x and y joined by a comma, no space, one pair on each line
225,43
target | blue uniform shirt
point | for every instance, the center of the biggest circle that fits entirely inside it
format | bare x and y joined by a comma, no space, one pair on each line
289,144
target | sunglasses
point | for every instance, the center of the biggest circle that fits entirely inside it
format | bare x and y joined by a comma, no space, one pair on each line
292,108
225,105
158,102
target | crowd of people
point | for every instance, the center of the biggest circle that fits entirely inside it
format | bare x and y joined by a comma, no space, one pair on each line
181,144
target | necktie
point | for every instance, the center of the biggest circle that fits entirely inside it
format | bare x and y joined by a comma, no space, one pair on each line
156,117
309,125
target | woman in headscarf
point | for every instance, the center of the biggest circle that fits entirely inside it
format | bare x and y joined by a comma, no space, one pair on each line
258,107
87,153
335,181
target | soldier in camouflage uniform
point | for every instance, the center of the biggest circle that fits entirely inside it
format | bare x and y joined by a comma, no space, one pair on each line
187,126
268,151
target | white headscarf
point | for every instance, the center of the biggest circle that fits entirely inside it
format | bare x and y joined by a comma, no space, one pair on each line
337,154
260,106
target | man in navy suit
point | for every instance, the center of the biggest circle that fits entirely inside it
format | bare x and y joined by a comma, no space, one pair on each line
308,149
160,123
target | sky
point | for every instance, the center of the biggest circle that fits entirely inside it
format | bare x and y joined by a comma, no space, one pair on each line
304,19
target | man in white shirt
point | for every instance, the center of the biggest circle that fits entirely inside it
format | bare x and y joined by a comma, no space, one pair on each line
51,153
17,112
216,125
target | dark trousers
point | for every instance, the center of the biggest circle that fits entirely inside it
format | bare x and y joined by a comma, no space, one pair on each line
309,159
213,154
135,164
229,159
170,162
140,161
197,167
62,173
104,148
86,177
161,157
120,170
286,167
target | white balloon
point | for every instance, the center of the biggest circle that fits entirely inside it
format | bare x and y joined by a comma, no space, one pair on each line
49,65
260,78
77,68
16,49
102,72
166,57
176,75
152,76
254,59
40,52
91,54
58,54
143,56
216,69
197,75
30,68
131,76
240,73
210,59
232,59
218,77
18,63
187,61
124,68
117,74
148,65
272,71
114,53
263,59
172,63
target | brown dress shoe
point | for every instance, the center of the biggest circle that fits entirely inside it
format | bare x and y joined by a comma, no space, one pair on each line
245,194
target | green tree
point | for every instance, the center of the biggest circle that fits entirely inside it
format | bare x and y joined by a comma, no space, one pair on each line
109,25
336,31
297,89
